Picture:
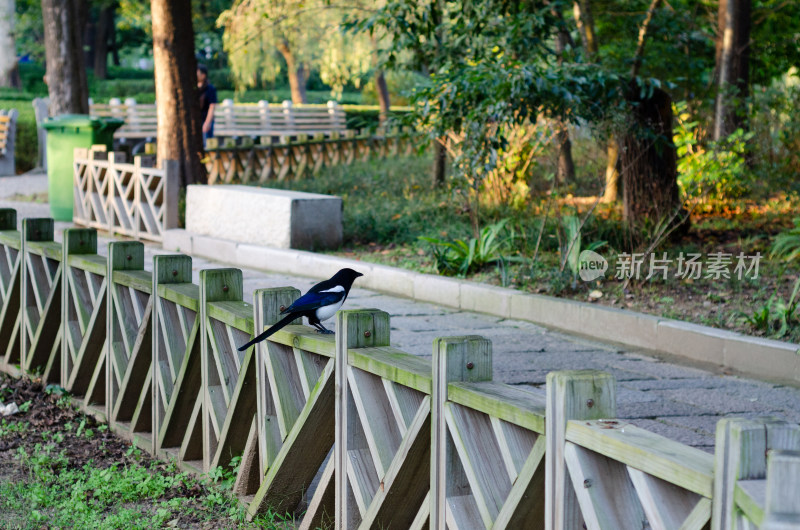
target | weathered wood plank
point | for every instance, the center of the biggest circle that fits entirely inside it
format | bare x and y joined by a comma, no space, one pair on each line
394,365
355,329
579,395
740,454
782,504
505,402
750,496
454,358
405,485
302,453
604,490
684,466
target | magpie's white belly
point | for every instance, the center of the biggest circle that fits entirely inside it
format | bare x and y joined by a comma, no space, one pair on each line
324,313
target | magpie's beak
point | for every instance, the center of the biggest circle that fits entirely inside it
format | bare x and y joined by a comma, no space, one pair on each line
358,274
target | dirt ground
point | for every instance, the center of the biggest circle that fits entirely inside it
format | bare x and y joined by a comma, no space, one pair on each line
47,419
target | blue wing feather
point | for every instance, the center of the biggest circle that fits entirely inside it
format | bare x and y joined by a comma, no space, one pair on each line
311,301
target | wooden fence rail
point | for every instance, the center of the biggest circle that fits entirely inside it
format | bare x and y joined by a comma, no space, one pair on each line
227,162
137,200
349,432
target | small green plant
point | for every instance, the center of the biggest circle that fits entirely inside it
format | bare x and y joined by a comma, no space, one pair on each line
786,245
571,249
462,256
7,428
776,315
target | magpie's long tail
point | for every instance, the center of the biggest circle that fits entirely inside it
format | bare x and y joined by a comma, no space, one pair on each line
274,328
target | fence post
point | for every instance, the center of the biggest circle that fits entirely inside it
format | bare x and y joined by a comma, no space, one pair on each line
122,397
466,358
172,341
74,374
116,109
288,116
133,115
267,307
571,395
354,329
41,112
172,187
263,113
782,509
740,454
216,285
228,115
333,114
36,347
10,314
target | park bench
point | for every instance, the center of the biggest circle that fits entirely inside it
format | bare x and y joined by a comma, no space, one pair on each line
262,120
232,120
8,125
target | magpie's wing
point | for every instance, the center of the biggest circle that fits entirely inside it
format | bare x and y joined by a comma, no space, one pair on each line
311,301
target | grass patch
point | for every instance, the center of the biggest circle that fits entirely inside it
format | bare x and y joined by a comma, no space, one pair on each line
61,469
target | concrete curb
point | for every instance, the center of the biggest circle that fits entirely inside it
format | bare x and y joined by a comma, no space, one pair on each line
765,358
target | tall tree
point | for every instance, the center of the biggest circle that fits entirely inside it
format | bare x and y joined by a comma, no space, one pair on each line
9,71
179,132
733,66
649,157
66,73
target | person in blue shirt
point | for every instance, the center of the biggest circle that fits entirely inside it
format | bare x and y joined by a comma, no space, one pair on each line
207,95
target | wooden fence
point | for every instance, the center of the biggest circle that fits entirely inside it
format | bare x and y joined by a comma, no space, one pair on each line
137,200
300,157
347,431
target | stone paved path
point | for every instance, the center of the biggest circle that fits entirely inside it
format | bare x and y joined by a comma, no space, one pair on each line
680,402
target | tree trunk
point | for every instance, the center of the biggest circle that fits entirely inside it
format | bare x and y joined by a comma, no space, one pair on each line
296,73
9,70
649,159
112,37
89,38
63,41
105,23
383,95
566,166
179,128
439,162
585,22
612,173
733,67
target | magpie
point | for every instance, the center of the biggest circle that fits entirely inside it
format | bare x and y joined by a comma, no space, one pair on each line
320,303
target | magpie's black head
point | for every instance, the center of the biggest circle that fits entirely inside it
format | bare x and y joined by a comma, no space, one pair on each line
346,277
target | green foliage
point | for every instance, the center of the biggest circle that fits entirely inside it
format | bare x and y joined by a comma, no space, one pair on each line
715,171
264,39
461,256
786,245
777,316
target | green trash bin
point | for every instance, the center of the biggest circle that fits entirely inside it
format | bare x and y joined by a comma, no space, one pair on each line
65,133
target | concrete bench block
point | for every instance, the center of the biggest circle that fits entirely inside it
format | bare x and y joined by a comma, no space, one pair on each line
263,216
